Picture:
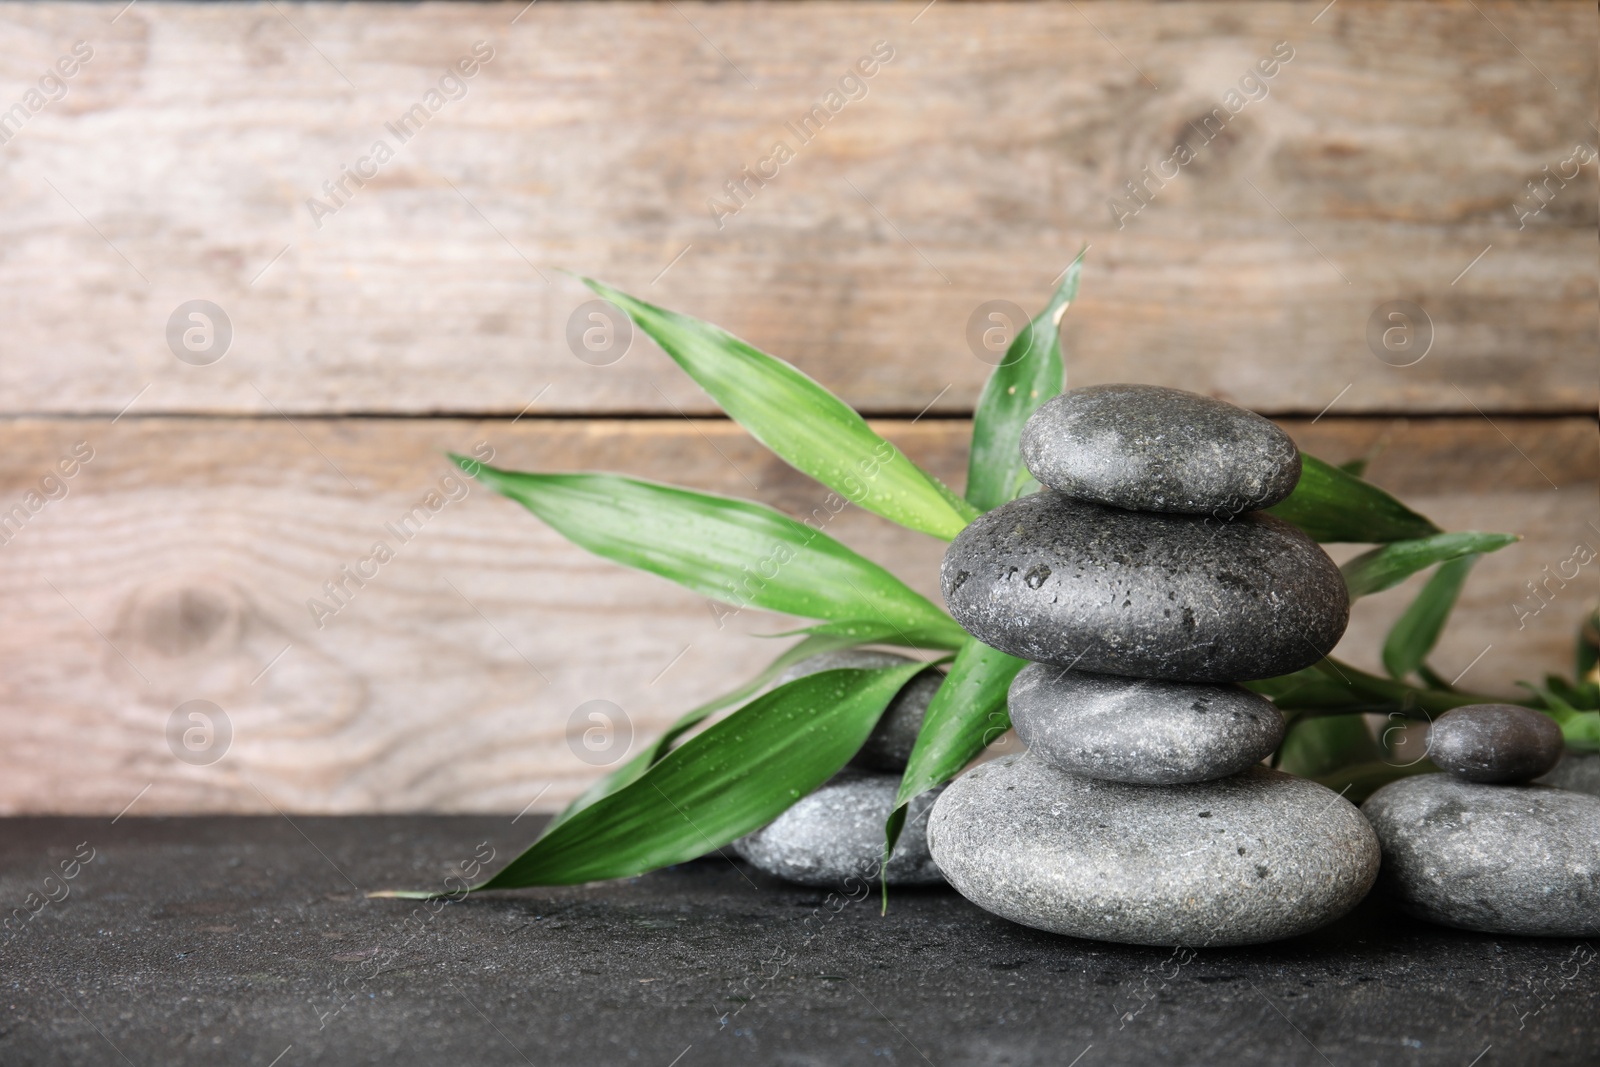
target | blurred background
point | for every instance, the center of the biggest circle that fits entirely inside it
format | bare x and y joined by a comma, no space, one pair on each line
263,264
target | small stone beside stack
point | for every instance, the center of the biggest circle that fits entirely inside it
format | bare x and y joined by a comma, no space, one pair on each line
1477,847
1143,581
834,836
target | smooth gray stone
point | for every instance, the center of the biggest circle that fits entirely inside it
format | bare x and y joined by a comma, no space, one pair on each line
1056,580
1147,448
1499,859
834,836
1141,731
888,747
1242,860
1579,772
1495,743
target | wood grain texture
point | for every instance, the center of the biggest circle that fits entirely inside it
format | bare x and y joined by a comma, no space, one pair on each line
179,562
1386,158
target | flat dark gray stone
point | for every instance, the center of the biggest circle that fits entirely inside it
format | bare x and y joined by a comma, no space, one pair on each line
1176,597
204,941
1495,743
888,747
833,837
1141,731
1149,448
1500,859
1242,860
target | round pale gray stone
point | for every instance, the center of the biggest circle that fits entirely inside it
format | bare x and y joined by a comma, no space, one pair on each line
1579,772
1495,743
888,747
1141,731
834,836
1499,859
1242,860
1147,448
1056,580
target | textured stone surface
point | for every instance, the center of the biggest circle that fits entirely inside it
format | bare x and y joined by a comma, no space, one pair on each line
194,942
888,747
1501,859
1579,772
1141,731
1256,857
1176,597
834,836
1495,743
1150,448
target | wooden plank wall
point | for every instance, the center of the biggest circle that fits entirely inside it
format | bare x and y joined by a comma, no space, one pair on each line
1387,158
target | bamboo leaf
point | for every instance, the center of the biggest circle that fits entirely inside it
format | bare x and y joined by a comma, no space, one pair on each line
814,645
966,714
877,632
1332,505
1587,656
719,785
735,551
805,425
1388,566
1031,373
1322,745
1417,629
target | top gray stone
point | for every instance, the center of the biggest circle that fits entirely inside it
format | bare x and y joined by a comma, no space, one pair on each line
1176,597
1495,743
1146,448
888,747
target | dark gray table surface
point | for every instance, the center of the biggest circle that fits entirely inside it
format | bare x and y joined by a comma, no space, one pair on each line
249,941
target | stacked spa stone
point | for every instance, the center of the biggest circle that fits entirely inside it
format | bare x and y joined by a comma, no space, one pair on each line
1144,582
834,836
1480,848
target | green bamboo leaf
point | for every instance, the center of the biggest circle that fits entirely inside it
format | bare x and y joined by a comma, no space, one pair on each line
1587,656
735,777
1374,693
814,645
1356,468
1388,566
1417,629
1308,690
1031,373
1322,745
805,425
1332,505
878,632
966,714
735,551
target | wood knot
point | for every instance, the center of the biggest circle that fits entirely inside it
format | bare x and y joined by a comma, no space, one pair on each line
186,618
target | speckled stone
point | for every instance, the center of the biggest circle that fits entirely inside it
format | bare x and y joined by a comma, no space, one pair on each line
1500,859
1252,858
1495,743
888,747
1141,731
1174,597
1579,772
834,836
1147,448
